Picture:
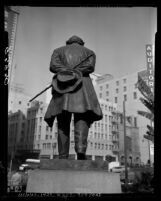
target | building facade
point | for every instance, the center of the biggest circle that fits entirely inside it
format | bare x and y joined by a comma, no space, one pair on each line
100,138
105,137
11,15
125,88
16,132
18,99
132,141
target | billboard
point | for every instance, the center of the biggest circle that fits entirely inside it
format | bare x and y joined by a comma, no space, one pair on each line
150,66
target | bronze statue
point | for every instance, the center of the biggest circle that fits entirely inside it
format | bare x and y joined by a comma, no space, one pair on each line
73,92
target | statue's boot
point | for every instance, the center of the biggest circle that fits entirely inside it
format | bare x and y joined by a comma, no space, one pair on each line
64,135
81,135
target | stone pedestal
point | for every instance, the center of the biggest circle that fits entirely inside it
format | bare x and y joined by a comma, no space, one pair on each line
71,176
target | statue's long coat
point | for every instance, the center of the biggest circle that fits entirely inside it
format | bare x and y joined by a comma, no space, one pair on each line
84,100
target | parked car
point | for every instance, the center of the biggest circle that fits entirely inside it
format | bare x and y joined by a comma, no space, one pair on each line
119,169
112,165
24,167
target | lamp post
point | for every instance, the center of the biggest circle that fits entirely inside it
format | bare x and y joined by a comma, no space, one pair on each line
125,149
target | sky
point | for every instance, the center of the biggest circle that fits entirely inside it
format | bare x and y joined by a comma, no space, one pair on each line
118,37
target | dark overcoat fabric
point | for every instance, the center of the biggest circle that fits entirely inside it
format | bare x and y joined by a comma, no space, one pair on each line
83,99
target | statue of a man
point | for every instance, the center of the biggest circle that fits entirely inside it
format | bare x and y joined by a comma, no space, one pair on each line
73,93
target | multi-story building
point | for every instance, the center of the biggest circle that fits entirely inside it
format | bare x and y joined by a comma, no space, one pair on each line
132,140
16,131
100,139
18,99
125,88
38,135
11,20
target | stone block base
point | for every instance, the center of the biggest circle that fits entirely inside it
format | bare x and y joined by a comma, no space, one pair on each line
60,181
62,178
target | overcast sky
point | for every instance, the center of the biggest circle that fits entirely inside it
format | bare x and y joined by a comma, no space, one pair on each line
118,36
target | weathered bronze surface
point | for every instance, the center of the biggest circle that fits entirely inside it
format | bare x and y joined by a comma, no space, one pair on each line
73,93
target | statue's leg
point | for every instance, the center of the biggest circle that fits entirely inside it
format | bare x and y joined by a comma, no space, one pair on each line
63,134
81,128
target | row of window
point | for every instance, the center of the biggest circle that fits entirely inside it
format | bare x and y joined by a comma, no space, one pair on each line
101,146
110,108
32,112
125,97
117,84
47,146
100,135
48,137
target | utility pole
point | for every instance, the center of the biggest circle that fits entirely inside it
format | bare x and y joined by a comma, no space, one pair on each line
125,150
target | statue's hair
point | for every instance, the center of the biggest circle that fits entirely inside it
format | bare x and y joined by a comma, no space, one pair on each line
74,39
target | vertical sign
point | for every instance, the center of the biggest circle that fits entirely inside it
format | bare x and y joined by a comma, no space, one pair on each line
150,68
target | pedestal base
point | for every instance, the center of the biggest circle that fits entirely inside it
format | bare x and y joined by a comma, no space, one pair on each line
73,180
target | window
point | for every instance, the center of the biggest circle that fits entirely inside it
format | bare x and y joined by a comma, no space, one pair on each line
107,99
136,86
105,107
44,145
117,83
100,95
91,144
102,126
121,118
135,95
125,97
19,102
107,86
40,119
107,93
101,88
105,117
39,129
98,145
102,146
49,145
115,99
95,135
47,128
117,90
46,137
106,146
135,122
124,80
95,146
41,109
125,88
50,136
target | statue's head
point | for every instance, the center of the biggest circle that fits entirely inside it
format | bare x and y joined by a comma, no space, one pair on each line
75,39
